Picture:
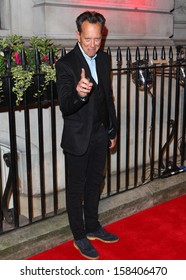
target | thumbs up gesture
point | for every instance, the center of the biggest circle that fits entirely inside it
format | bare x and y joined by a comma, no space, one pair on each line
84,86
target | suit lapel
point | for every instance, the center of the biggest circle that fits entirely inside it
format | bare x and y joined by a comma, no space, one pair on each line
82,61
88,109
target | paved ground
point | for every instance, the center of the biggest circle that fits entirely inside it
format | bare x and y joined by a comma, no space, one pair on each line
32,239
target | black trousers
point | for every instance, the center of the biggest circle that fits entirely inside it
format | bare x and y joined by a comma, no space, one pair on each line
85,176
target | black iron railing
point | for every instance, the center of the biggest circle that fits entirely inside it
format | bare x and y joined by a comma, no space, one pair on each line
150,98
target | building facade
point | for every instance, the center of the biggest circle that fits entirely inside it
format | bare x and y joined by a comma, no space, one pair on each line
126,19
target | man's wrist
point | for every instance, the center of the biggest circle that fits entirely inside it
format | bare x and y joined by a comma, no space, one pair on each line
83,98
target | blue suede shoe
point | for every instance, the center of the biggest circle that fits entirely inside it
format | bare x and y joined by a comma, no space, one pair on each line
86,249
102,235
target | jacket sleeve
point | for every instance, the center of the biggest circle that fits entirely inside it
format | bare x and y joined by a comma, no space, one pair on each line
66,82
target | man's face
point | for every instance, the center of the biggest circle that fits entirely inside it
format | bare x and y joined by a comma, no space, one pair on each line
90,37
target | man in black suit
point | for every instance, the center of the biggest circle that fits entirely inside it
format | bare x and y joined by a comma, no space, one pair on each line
86,102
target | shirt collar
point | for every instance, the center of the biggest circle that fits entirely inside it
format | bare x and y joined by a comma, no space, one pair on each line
88,58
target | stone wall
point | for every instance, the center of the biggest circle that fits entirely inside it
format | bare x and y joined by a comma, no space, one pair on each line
127,20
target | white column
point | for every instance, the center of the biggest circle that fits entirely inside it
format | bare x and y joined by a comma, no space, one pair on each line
4,17
180,21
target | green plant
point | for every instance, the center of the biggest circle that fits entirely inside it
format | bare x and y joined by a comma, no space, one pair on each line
23,75
2,63
22,81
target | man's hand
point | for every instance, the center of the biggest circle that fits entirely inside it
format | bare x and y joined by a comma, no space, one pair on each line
84,86
113,143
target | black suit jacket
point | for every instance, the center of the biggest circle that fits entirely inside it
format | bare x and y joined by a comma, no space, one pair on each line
78,114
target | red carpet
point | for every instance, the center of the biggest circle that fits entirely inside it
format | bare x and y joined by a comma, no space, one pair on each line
158,233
